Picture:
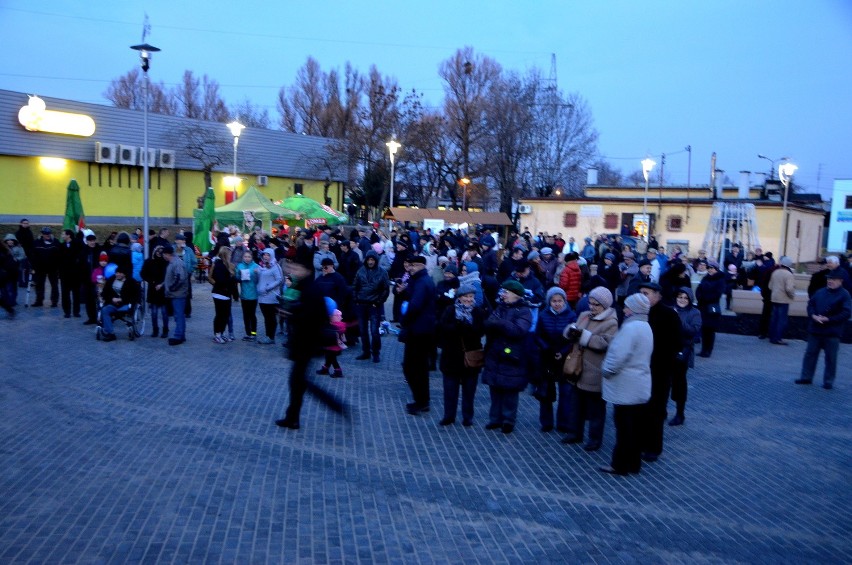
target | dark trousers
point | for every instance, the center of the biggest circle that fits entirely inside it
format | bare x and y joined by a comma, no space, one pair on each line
708,338
627,453
778,323
188,308
158,312
298,385
70,294
504,406
270,319
588,405
331,359
415,367
452,383
223,312
249,316
564,392
40,277
89,293
369,319
679,387
809,363
765,317
654,417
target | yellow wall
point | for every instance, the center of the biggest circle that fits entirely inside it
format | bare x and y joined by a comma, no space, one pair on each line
548,216
30,188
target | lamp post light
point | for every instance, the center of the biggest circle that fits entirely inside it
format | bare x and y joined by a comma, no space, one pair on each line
236,129
145,52
393,146
785,173
647,166
771,164
464,182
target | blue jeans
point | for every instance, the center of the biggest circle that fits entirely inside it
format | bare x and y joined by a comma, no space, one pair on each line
830,345
179,311
107,313
159,311
369,318
504,406
778,323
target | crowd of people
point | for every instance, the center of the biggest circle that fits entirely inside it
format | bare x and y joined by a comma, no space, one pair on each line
580,325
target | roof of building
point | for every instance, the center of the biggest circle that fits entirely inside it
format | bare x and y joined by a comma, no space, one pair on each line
450,216
260,151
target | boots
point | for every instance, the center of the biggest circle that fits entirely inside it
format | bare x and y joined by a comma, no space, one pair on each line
337,373
679,417
323,370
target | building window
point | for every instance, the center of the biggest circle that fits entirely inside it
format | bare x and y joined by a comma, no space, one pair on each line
674,223
611,221
849,202
298,188
570,220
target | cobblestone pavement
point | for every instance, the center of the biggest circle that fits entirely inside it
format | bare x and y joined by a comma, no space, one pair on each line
139,452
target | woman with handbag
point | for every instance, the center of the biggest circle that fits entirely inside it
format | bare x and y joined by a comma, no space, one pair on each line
593,333
709,293
552,321
460,331
690,321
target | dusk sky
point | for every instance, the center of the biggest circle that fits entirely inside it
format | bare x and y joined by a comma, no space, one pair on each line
738,77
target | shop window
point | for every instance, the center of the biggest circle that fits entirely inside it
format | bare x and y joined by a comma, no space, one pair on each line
298,188
570,220
674,223
849,202
611,221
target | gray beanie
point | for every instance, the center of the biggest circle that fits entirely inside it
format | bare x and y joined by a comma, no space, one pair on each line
466,289
602,295
786,261
555,290
533,255
638,303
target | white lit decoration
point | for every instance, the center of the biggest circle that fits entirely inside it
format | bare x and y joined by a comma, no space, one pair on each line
36,117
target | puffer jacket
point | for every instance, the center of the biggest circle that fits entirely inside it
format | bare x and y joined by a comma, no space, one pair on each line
627,366
598,333
506,330
571,280
782,283
371,286
690,321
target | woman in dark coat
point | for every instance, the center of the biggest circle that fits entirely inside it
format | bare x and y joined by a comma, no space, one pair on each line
460,329
690,321
507,330
708,294
154,273
552,321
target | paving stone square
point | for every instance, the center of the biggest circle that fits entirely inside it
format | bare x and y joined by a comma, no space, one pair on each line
129,452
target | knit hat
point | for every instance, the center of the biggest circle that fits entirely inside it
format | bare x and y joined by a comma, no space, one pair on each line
732,269
377,247
533,255
103,256
452,253
547,251
638,303
628,255
603,295
168,249
466,289
10,237
711,264
514,287
786,262
609,256
450,268
553,291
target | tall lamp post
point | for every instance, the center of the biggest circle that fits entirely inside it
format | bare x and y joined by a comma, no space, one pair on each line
647,166
771,164
785,173
145,51
393,146
236,129
464,182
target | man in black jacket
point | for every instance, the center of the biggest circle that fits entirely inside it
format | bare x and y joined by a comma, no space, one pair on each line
45,262
89,261
69,273
828,310
418,332
371,289
666,326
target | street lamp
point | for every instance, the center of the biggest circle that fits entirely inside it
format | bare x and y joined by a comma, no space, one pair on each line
647,166
393,146
145,52
236,129
771,164
464,181
785,173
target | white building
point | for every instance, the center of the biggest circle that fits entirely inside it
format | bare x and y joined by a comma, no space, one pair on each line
840,226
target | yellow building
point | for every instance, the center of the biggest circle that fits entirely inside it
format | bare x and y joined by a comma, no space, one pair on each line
680,216
102,148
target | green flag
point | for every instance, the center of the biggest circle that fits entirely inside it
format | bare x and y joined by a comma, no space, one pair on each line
204,221
74,217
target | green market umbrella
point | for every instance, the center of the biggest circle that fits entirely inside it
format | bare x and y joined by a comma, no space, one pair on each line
74,217
312,212
251,209
204,220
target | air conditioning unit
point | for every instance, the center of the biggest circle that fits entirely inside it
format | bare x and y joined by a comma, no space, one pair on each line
524,209
127,154
105,152
152,157
167,158
262,180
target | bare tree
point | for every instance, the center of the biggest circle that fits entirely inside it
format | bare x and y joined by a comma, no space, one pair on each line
250,115
128,91
206,144
607,174
199,99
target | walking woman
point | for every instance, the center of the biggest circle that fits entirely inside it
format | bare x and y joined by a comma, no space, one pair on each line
460,329
270,279
154,273
709,293
222,277
595,330
247,276
627,383
690,321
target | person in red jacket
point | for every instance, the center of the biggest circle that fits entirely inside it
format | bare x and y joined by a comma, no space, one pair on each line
571,279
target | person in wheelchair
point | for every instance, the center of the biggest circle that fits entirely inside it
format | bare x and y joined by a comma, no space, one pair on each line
121,294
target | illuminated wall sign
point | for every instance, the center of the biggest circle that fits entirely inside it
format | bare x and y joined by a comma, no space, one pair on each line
36,117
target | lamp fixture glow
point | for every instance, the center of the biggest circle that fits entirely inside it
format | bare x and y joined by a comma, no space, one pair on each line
36,117
647,166
52,164
785,174
232,181
236,129
786,171
393,147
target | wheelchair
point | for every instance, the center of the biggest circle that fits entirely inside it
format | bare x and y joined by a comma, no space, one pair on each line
133,320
